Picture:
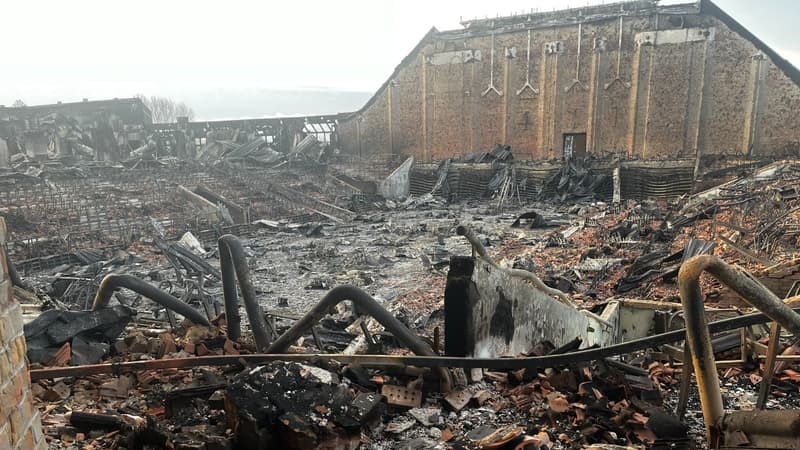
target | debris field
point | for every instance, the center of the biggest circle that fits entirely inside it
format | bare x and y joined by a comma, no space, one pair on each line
117,360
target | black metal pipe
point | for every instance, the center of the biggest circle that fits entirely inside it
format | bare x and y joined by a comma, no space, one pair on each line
366,304
698,334
113,282
233,262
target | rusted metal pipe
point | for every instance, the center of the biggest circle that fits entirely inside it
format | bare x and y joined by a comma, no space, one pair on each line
365,303
699,336
784,423
113,282
530,363
233,262
477,246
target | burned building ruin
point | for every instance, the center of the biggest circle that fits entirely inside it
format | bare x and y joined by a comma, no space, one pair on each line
552,230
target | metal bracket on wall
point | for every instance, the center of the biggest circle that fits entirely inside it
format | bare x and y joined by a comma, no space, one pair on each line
527,84
491,86
577,81
616,79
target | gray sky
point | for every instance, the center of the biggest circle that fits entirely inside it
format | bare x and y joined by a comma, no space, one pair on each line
190,50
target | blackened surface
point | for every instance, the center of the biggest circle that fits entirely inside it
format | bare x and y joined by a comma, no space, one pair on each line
292,408
459,296
502,323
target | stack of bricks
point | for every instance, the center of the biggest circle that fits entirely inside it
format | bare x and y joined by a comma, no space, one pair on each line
20,426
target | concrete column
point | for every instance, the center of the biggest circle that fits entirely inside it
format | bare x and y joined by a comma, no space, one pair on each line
20,425
389,115
753,105
506,97
424,102
541,111
594,82
3,154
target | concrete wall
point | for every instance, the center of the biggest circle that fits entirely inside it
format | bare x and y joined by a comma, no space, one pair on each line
681,81
489,314
20,427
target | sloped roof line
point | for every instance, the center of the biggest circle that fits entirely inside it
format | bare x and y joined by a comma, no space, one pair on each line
710,8
406,61
707,7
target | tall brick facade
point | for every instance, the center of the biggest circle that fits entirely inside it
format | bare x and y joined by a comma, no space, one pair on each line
20,427
634,79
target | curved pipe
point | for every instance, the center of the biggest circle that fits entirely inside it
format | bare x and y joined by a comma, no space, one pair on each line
115,281
463,230
233,263
699,336
365,303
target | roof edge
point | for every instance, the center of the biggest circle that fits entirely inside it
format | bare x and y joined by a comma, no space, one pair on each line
710,8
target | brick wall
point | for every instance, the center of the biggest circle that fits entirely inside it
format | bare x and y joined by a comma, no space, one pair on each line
699,85
20,426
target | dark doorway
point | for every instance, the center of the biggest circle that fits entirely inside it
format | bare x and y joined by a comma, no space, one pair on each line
574,145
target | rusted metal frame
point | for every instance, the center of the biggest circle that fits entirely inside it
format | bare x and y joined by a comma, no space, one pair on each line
769,365
699,335
364,303
532,363
761,353
233,265
477,247
686,354
687,369
113,282
772,355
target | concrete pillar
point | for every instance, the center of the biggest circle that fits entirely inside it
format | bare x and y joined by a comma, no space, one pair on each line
20,425
3,154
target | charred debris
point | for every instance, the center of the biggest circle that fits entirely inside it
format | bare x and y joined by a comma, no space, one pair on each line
259,297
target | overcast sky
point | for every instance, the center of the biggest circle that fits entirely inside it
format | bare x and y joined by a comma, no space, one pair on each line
67,50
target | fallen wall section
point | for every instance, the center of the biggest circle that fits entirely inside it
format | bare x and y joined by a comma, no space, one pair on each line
489,313
20,426
397,185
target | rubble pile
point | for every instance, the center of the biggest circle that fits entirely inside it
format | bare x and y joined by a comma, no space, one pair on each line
595,253
635,249
286,405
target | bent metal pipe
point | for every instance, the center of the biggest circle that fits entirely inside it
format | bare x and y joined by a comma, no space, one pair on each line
698,334
364,303
233,263
113,282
